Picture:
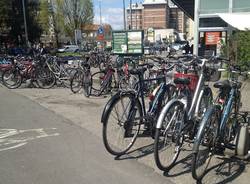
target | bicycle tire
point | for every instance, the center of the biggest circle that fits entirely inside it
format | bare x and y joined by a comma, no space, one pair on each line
87,84
45,79
164,132
76,82
100,83
205,143
14,73
128,132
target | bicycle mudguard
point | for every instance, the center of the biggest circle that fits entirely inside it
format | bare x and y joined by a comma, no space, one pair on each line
111,102
165,108
202,126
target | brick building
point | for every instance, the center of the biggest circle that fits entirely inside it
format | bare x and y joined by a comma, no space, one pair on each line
158,14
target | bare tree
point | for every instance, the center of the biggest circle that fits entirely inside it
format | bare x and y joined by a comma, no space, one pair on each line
77,13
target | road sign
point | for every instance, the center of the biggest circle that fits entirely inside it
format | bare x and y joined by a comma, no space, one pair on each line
100,33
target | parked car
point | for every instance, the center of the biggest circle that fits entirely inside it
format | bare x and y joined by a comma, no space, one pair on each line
69,48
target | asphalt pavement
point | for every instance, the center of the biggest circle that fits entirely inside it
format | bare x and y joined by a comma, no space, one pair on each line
37,146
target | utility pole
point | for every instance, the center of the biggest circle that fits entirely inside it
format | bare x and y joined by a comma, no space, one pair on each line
25,24
136,6
124,16
196,26
100,7
130,14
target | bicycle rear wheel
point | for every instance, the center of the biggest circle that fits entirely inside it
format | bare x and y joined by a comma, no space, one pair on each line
87,84
76,82
12,78
204,144
45,79
169,138
121,123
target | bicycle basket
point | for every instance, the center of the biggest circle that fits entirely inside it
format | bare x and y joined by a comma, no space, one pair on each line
192,77
213,74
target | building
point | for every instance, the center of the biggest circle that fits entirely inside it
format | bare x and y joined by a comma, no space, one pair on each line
90,31
216,21
136,20
158,14
155,14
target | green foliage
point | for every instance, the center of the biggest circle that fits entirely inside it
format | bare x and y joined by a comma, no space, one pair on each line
243,48
237,48
12,22
44,15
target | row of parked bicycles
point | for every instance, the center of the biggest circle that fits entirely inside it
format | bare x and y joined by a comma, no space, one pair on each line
169,99
181,109
45,71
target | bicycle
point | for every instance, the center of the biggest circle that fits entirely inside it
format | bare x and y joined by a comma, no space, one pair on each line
17,73
220,126
131,104
82,79
180,117
62,74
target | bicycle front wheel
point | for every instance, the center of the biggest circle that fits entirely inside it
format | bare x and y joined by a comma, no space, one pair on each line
204,144
76,82
45,78
87,84
12,78
169,138
122,123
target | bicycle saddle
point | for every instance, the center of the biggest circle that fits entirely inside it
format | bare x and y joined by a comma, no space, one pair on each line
138,71
223,84
184,81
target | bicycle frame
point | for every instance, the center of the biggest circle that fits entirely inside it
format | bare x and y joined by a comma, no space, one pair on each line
158,96
193,111
226,113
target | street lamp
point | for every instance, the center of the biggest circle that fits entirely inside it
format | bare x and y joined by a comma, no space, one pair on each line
196,27
25,24
124,14
100,7
130,14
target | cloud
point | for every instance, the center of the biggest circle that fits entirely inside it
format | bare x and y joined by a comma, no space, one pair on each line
112,16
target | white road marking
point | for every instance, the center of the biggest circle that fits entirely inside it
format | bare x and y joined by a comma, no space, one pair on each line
13,138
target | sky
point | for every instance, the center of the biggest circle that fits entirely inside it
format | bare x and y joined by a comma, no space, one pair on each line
112,12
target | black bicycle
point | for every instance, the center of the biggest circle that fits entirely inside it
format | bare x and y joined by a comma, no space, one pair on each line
82,79
125,113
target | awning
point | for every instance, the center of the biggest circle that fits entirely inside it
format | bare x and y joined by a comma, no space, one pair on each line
239,21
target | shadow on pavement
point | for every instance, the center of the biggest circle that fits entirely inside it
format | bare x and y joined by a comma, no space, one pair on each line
137,153
226,171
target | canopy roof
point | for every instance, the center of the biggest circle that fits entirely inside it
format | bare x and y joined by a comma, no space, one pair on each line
239,21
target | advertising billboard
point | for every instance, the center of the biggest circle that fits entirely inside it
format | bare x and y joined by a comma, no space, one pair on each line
128,42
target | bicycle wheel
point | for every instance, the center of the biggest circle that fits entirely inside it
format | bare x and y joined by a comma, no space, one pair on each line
87,84
204,144
205,102
121,123
76,82
169,138
127,82
45,79
12,78
97,80
66,76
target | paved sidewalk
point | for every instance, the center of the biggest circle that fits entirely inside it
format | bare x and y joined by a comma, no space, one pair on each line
86,112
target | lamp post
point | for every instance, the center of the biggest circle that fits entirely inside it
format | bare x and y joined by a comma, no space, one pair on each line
25,24
100,7
130,14
196,26
124,16
136,6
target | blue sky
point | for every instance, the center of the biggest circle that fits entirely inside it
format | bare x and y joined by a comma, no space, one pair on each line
112,12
